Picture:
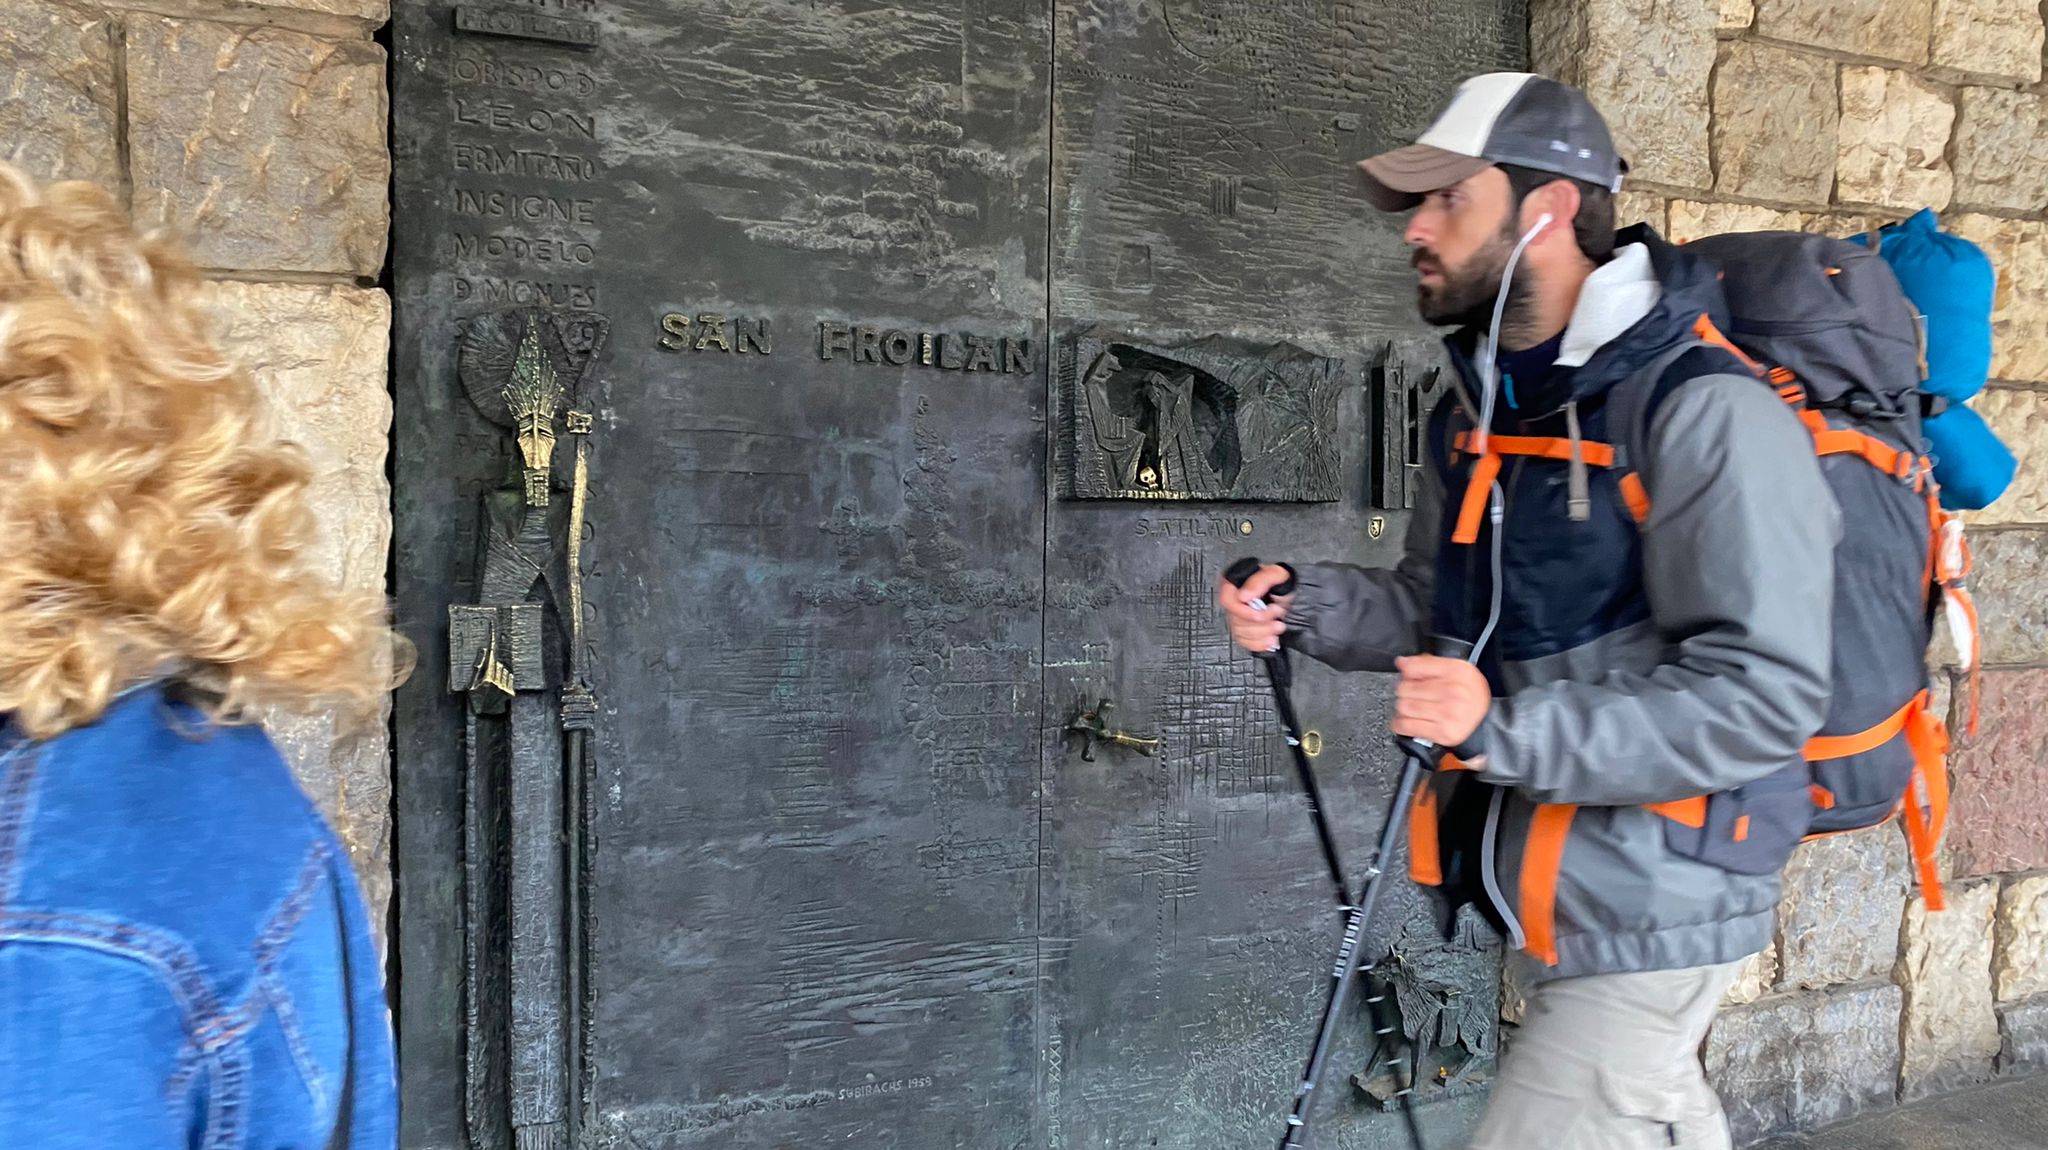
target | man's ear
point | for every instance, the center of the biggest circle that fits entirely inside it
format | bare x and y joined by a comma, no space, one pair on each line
1558,199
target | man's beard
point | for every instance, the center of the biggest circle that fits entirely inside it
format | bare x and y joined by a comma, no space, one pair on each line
1466,296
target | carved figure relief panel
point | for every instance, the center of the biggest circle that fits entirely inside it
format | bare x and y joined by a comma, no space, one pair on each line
1211,419
517,657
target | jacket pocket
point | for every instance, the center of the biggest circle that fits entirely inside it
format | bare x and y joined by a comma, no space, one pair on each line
1748,830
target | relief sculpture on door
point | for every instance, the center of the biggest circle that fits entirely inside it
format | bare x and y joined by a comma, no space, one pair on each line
517,653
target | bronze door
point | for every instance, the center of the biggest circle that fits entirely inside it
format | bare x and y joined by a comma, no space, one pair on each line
809,415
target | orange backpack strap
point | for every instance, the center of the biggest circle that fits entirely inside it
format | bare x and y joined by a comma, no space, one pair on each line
1636,496
1593,452
1685,812
1485,469
1821,748
1925,824
1893,461
1704,330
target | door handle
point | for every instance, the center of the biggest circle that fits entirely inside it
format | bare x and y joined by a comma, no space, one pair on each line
1093,727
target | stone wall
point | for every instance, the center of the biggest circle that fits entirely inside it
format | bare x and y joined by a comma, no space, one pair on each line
1830,116
257,131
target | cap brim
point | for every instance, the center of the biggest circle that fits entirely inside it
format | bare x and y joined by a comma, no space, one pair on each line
1396,181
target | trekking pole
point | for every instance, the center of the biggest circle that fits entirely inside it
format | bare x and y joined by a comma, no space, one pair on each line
1421,758
1281,677
1346,968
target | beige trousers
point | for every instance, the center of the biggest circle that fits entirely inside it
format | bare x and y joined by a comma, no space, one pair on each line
1611,1062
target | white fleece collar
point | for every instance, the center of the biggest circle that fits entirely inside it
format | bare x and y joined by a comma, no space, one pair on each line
1614,299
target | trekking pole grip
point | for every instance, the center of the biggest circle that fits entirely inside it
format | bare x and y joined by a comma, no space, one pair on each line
1276,659
1240,572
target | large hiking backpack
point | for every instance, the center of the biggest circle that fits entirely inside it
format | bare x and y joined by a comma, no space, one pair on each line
1827,324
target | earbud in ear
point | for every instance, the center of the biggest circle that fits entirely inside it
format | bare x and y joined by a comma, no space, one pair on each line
1542,221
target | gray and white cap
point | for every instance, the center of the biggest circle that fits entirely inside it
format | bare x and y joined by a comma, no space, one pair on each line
1499,118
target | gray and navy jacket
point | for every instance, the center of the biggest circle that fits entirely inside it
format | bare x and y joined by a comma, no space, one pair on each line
1662,652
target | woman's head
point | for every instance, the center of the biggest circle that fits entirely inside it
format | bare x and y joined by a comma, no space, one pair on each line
150,523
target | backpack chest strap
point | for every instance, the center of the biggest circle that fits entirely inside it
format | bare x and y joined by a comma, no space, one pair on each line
1593,452
1486,468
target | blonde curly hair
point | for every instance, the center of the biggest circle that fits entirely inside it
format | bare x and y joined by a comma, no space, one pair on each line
150,525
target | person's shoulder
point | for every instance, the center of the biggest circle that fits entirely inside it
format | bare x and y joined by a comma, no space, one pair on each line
1735,433
1713,396
186,843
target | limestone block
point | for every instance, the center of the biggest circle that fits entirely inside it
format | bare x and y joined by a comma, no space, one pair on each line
1759,974
265,148
2019,965
2001,780
1693,219
349,776
1888,29
1949,1029
57,93
2019,249
1737,14
1805,1059
1839,921
1842,225
372,12
2010,586
1999,38
319,353
1640,208
1893,141
2002,149
2020,417
2023,1037
1776,123
1646,64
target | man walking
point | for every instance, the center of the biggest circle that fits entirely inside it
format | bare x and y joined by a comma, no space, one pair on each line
1634,534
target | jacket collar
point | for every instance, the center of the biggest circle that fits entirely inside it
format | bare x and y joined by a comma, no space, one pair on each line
1616,297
